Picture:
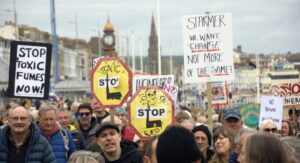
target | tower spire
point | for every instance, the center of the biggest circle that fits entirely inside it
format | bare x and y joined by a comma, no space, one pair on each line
153,30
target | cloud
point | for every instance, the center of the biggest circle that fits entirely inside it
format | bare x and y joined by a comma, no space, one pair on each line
260,26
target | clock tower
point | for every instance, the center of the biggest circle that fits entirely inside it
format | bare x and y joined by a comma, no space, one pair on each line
108,40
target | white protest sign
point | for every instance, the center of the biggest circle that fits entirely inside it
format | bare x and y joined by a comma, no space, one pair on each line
208,48
171,90
29,69
96,60
271,108
150,80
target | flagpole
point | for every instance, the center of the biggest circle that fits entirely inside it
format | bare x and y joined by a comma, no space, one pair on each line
141,54
132,50
171,59
258,82
158,40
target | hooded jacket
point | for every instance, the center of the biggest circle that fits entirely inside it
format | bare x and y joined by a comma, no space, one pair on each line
129,154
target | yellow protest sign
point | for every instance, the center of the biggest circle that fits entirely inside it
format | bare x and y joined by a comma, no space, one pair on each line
111,82
151,110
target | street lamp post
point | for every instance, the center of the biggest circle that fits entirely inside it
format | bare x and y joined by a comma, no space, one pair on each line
76,31
54,40
99,39
15,20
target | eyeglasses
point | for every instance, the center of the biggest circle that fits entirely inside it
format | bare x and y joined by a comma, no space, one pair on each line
84,114
270,129
22,119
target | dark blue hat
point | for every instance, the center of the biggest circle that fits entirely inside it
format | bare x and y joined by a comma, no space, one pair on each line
232,113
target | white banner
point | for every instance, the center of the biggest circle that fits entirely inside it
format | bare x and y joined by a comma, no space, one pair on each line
271,108
208,48
151,80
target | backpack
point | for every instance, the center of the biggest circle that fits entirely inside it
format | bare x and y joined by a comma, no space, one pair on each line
65,136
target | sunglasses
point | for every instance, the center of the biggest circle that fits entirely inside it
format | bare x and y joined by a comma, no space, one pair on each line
84,114
270,129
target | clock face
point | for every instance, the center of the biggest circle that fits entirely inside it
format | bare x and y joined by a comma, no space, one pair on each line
108,40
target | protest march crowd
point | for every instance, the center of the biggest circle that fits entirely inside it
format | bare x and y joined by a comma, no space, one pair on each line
68,131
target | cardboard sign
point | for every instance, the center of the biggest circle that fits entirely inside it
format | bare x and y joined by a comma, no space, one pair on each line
271,108
250,113
29,70
171,90
151,110
289,91
151,80
111,82
96,60
219,93
208,48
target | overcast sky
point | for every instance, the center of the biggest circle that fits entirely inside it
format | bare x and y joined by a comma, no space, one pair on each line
260,26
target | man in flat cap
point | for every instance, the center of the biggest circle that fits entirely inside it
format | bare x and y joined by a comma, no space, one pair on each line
108,137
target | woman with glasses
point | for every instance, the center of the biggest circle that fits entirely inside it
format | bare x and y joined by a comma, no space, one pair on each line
268,126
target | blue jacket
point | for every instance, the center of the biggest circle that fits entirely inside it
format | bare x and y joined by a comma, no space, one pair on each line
58,146
39,150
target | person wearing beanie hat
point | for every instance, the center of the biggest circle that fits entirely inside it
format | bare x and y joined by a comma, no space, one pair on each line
177,144
203,139
127,131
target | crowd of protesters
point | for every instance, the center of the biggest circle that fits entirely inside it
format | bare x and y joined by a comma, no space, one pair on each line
64,131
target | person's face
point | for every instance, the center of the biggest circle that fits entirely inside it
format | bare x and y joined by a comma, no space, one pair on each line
243,138
201,140
19,121
241,157
152,158
141,144
222,145
63,118
285,129
233,123
123,117
188,124
109,141
47,120
153,154
85,116
270,128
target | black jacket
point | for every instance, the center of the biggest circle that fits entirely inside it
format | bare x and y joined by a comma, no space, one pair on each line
129,154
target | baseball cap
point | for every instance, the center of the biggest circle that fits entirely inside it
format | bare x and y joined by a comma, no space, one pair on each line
232,113
106,125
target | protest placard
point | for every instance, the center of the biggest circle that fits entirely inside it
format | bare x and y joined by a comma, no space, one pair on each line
219,93
151,80
271,108
289,91
250,113
29,70
208,48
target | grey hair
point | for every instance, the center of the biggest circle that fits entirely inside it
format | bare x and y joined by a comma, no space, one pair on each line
86,157
265,122
45,108
62,110
246,131
293,146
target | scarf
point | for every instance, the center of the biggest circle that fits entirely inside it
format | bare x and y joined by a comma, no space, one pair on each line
49,134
